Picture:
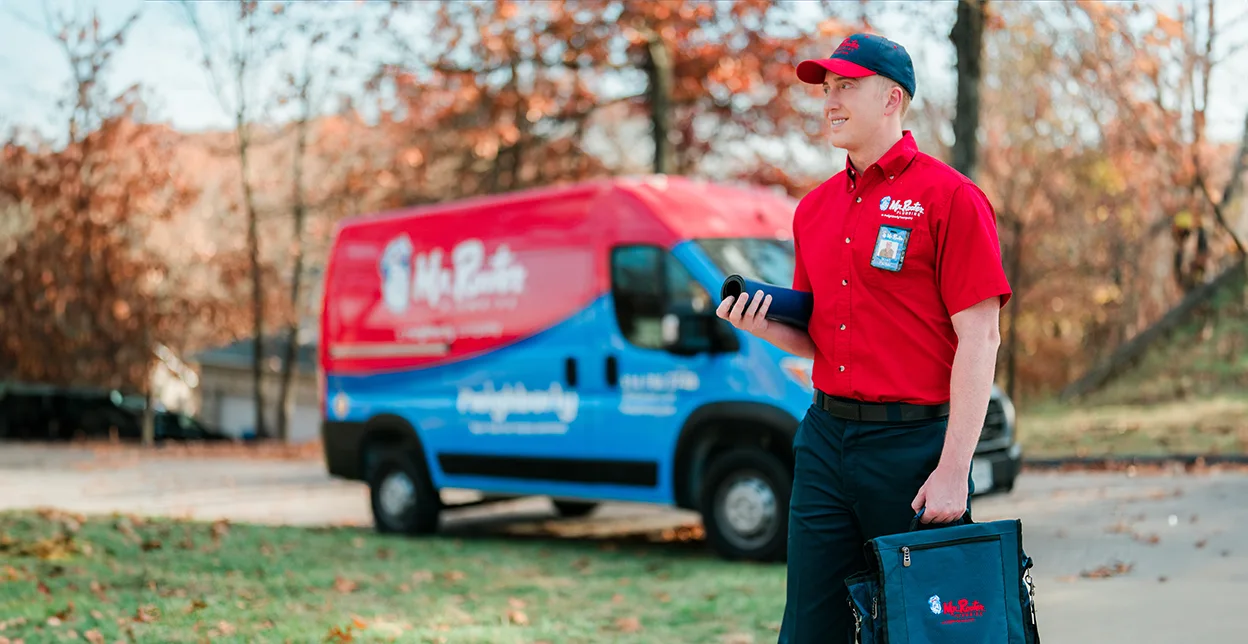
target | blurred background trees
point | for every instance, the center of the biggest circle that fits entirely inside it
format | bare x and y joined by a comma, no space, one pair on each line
1086,122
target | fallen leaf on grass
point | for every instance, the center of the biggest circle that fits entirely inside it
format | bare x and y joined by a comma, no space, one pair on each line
98,590
339,635
628,624
453,575
220,528
94,636
517,617
43,588
150,545
196,604
663,597
344,585
147,614
222,629
617,598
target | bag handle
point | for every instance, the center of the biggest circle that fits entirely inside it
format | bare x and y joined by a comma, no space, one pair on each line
965,519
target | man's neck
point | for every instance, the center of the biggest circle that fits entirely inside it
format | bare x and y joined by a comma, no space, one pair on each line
863,157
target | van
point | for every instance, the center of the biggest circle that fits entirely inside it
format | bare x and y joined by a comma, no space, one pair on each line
563,342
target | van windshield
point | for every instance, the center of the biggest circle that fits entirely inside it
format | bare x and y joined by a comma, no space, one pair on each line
758,259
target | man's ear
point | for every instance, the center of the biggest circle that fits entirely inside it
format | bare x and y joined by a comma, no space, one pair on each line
894,94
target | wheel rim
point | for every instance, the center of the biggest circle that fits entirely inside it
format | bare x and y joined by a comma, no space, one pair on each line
397,495
747,510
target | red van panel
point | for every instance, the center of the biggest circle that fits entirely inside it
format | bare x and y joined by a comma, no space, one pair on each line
433,287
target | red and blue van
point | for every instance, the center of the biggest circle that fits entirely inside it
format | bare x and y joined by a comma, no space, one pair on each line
562,342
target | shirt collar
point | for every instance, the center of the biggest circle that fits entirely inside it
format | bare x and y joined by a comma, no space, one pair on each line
892,164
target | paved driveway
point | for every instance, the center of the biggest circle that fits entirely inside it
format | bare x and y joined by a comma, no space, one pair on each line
1149,558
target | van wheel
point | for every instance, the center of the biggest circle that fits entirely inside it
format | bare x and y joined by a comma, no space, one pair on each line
745,505
403,499
573,509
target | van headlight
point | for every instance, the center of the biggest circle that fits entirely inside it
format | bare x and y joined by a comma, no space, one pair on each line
800,370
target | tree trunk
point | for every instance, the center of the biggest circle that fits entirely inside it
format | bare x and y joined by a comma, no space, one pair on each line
968,40
659,72
286,402
1016,279
253,251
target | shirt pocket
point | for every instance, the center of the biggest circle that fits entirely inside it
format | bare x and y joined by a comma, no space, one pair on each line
894,254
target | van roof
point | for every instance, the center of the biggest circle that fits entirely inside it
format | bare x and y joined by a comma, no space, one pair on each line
688,208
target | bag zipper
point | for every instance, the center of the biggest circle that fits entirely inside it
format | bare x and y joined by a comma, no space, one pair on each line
906,550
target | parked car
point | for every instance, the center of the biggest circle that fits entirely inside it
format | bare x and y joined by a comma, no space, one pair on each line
563,342
45,412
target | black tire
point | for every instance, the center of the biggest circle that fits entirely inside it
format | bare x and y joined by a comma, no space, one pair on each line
574,509
761,485
404,474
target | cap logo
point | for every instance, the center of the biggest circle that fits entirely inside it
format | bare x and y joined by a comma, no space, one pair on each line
847,46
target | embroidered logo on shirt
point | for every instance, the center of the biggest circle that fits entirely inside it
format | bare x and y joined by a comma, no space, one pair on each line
890,248
908,209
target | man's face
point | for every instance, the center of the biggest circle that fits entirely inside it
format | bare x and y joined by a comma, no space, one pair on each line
853,108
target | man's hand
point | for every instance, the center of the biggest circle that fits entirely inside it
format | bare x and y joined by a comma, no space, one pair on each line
748,316
944,495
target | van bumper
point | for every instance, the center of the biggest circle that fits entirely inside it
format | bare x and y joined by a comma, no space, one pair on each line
997,470
341,443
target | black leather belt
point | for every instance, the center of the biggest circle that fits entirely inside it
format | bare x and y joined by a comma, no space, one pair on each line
878,412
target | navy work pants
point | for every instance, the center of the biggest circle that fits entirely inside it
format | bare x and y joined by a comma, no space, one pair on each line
853,481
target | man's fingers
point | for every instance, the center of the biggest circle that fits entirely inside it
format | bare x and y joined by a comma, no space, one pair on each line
725,307
753,309
739,307
919,500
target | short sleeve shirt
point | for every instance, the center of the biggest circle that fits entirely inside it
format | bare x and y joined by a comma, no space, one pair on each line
889,257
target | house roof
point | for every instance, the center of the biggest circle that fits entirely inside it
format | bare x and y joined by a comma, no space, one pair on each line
239,354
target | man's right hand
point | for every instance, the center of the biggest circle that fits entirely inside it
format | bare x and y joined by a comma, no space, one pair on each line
746,313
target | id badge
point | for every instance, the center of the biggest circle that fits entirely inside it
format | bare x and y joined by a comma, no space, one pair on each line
890,248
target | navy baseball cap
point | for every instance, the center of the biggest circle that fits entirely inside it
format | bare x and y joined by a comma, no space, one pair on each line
862,55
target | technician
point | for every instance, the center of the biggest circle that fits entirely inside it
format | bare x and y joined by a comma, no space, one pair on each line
901,255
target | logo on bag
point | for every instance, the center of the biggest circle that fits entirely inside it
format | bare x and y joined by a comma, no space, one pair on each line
934,603
963,611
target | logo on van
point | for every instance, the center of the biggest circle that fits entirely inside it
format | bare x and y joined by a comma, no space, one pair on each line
425,278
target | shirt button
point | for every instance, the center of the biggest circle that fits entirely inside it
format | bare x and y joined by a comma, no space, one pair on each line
844,282
890,177
846,240
858,200
842,367
842,327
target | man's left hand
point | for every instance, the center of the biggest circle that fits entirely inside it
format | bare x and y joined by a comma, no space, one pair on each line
944,495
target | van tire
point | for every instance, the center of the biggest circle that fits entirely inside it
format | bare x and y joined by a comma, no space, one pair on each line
402,497
745,505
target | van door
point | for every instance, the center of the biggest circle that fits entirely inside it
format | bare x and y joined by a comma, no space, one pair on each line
648,387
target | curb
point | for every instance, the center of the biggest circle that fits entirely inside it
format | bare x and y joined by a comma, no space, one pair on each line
1123,462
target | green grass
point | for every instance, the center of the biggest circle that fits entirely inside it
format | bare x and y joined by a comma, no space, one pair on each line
1216,425
108,579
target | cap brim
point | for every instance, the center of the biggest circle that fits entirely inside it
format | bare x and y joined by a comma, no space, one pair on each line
814,71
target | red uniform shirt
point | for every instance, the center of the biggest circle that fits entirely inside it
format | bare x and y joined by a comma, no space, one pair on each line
889,256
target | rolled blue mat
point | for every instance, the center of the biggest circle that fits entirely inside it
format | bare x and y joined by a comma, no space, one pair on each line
787,305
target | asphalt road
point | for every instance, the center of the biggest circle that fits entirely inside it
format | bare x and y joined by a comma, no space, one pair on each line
1119,558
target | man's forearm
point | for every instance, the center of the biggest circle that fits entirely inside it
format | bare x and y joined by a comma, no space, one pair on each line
790,339
974,365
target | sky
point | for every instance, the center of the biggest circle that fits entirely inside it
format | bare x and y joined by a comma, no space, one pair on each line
162,54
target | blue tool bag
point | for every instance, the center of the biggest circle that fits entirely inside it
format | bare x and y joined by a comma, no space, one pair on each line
964,583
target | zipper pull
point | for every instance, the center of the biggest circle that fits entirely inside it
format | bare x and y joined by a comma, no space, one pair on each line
905,556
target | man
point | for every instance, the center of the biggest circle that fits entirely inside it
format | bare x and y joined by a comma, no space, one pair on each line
902,257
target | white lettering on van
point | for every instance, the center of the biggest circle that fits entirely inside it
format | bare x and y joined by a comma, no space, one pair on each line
515,399
471,275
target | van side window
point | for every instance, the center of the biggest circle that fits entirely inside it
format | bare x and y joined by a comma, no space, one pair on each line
647,283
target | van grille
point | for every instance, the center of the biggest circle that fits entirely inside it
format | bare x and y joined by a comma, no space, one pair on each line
994,422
